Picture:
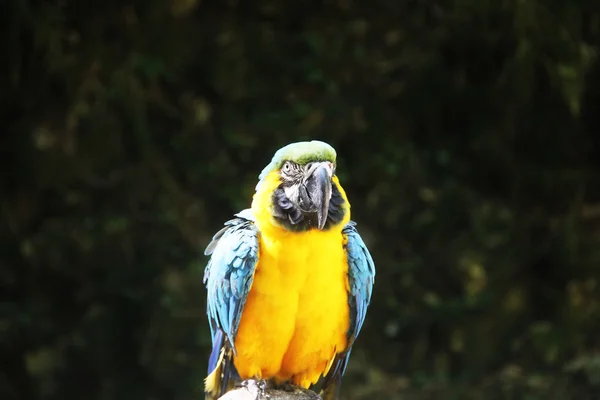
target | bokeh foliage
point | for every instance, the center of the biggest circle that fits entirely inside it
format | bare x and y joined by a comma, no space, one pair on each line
467,134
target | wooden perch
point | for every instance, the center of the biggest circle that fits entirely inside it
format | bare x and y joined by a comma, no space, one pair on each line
252,391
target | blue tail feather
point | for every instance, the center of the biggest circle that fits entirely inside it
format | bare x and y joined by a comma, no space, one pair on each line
224,375
216,350
333,380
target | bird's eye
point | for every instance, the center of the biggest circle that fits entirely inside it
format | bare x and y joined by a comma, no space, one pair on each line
287,167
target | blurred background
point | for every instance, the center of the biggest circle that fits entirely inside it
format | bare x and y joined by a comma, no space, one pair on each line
467,135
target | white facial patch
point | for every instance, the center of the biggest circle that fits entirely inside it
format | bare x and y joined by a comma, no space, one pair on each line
291,192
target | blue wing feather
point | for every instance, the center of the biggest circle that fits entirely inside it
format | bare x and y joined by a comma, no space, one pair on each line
229,274
361,277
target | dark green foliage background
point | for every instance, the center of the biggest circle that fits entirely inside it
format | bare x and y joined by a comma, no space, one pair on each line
467,134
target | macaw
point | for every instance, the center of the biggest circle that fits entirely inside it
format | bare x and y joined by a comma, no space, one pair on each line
289,280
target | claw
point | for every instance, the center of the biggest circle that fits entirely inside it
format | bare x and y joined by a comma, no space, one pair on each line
291,388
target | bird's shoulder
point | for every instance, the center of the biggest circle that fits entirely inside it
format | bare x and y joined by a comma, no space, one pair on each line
242,223
358,253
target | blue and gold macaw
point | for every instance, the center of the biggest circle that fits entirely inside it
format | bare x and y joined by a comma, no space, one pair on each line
289,280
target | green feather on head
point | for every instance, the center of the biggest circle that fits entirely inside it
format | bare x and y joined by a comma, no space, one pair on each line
301,153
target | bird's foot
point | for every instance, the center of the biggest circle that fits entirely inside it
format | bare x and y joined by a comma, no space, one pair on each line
291,388
256,387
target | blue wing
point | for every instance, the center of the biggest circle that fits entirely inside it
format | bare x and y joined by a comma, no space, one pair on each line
228,278
361,277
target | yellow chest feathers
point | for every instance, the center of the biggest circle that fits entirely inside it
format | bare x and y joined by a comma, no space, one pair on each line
296,316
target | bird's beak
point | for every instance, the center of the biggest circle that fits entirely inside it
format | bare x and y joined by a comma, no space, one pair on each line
318,187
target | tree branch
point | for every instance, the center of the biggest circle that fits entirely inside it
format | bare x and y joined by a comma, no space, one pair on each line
251,390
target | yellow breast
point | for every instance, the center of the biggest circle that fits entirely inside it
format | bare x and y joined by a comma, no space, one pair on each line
296,315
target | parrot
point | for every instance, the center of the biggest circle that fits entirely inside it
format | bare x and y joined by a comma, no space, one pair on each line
289,280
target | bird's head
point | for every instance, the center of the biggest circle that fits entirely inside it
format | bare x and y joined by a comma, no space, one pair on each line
306,193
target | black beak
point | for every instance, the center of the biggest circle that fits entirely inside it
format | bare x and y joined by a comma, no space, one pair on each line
318,187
